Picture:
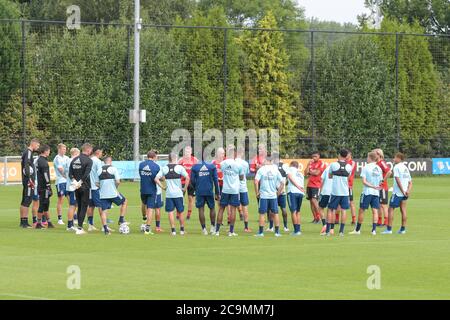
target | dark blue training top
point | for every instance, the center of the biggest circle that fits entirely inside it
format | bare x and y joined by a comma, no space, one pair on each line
148,170
204,179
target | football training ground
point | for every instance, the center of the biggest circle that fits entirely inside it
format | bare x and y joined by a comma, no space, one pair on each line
34,263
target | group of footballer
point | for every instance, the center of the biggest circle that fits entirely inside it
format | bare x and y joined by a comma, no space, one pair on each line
90,181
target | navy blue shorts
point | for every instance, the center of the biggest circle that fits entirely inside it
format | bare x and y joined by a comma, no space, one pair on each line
295,201
396,201
243,198
61,190
159,201
369,199
336,201
323,202
72,198
282,201
94,199
150,200
201,200
118,201
174,203
266,205
229,199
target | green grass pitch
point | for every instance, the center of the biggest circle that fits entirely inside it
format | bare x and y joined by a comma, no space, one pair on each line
33,263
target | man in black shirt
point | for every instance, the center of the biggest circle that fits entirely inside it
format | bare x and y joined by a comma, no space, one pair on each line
28,179
43,186
79,175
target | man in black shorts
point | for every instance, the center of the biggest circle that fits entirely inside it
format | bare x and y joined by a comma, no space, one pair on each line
44,187
28,181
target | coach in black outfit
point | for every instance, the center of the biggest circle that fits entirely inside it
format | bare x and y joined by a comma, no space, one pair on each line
44,187
79,171
28,181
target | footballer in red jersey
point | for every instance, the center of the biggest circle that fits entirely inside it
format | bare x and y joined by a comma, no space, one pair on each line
313,171
351,178
384,187
188,162
258,161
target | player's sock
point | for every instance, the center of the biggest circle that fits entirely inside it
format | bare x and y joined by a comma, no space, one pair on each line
245,224
374,227
173,230
59,217
379,220
341,229
358,226
158,223
353,219
386,220
402,228
218,227
328,227
44,218
271,224
299,228
231,228
75,217
203,226
337,217
105,228
70,224
332,226
91,220
277,229
24,221
324,222
144,218
389,228
122,220
34,219
261,230
182,228
285,223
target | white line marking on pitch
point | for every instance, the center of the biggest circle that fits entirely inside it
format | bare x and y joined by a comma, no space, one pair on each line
23,296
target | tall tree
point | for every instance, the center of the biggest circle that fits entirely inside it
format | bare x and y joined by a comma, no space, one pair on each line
268,99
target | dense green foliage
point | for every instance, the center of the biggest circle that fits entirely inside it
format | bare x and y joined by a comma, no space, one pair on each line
79,83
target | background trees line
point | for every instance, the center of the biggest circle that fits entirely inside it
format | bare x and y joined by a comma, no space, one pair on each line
79,83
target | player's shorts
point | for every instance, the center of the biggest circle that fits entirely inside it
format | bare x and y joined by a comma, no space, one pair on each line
150,200
27,195
350,194
396,201
72,198
295,201
229,199
312,193
243,198
174,203
324,199
61,189
200,201
190,190
118,201
369,199
383,196
159,201
282,201
44,201
266,205
336,201
94,199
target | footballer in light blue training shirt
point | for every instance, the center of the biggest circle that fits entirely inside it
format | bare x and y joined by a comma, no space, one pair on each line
172,173
233,173
401,192
94,199
339,173
243,189
109,180
372,178
59,163
268,185
296,191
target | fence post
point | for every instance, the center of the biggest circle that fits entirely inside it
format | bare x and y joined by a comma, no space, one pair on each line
225,82
397,114
313,92
23,75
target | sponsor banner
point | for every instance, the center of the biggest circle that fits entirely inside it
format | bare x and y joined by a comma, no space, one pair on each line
417,166
441,166
14,172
